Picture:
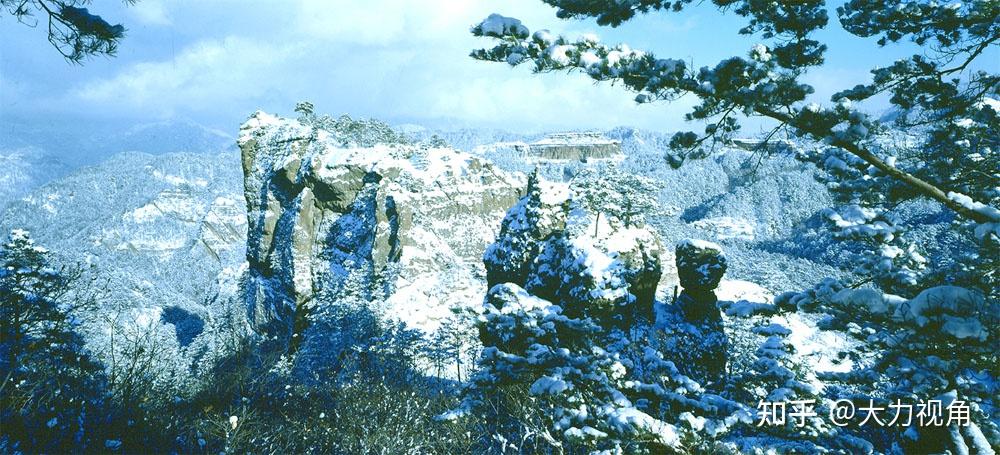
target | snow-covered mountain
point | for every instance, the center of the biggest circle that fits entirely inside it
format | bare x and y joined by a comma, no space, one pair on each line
26,168
160,239
331,212
33,153
558,148
90,141
750,204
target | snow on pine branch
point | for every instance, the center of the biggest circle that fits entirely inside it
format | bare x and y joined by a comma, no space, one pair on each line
548,52
983,231
760,84
498,26
756,84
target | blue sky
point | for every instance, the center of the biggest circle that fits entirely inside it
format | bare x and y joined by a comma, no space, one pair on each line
402,61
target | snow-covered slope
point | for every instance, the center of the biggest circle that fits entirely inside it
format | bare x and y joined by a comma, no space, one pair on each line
331,214
753,206
24,169
160,238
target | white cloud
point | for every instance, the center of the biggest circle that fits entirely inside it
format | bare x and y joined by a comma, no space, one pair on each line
403,22
203,76
518,99
391,59
151,12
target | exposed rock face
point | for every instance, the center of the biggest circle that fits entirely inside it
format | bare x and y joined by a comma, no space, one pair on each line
218,233
575,146
326,217
546,245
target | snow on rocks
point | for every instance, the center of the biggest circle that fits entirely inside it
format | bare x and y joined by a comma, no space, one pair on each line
574,146
328,215
548,244
700,265
820,349
737,290
568,318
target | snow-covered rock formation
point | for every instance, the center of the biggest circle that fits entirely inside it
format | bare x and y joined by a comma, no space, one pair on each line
575,146
700,267
571,321
547,244
331,218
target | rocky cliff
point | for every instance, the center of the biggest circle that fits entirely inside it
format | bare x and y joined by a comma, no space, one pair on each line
333,218
575,146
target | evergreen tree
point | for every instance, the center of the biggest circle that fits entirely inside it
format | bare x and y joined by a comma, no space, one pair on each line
52,392
938,148
624,198
72,29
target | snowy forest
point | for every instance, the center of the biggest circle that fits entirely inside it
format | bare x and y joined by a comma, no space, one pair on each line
804,258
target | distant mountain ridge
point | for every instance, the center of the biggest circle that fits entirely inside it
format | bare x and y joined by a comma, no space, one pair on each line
89,141
36,152
26,168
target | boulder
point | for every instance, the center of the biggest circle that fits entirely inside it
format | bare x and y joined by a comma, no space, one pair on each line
700,265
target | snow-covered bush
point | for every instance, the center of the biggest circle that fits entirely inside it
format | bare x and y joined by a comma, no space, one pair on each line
244,407
778,376
939,345
53,393
549,381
